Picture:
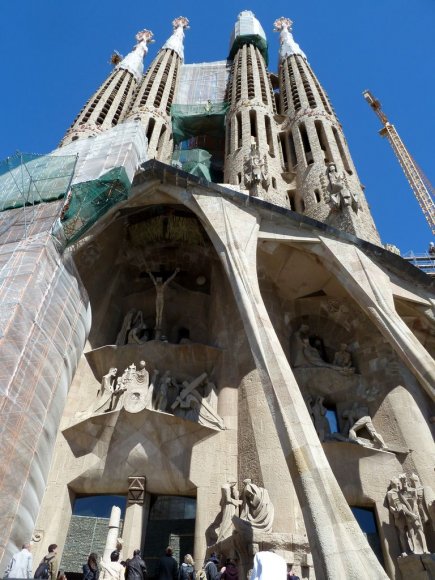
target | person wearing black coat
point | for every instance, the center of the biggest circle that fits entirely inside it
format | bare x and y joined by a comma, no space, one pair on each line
168,567
135,568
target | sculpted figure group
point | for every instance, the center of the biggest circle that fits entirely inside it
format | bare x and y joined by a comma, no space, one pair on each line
411,507
354,418
310,352
251,509
194,400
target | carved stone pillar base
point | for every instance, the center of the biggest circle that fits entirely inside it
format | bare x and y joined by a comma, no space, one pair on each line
136,516
417,566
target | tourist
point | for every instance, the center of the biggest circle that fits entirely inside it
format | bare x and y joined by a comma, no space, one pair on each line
112,570
61,575
49,565
229,571
268,565
187,571
135,568
90,569
21,564
290,575
211,570
167,568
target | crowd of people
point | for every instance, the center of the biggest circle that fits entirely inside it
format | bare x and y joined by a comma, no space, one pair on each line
267,566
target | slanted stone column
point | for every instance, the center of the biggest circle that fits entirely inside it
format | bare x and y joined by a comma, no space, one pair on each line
339,547
136,515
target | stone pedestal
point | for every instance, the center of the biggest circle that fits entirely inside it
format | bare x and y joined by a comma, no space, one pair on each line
417,566
136,516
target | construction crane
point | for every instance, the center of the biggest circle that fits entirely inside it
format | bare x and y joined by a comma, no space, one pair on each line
420,184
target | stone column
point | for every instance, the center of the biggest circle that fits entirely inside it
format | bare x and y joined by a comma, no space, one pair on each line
201,524
136,515
113,533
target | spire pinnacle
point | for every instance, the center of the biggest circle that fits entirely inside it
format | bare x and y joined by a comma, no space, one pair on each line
288,44
133,62
176,41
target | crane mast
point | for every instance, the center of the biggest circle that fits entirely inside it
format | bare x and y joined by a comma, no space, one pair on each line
420,184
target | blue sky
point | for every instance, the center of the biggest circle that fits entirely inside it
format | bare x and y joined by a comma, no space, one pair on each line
55,55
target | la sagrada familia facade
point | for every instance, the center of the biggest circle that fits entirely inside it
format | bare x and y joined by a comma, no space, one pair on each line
198,316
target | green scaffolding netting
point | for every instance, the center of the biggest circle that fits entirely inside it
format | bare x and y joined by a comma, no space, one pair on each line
256,40
194,161
29,179
191,120
90,200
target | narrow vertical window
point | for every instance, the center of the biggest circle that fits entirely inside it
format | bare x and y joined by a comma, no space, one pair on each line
282,142
292,150
239,130
150,129
306,144
342,151
269,136
323,141
253,124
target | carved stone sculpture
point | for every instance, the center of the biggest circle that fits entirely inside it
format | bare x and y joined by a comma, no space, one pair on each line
122,337
162,395
105,393
255,171
358,418
160,287
318,414
395,507
306,355
230,504
137,334
190,405
136,383
405,502
342,357
336,190
257,509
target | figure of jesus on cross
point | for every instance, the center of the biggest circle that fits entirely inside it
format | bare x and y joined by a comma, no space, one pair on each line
160,298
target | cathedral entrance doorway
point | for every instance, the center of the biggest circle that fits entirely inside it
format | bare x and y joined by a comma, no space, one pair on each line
171,523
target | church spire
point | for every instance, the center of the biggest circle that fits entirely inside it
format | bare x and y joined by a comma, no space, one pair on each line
133,62
326,186
288,44
153,99
176,41
108,106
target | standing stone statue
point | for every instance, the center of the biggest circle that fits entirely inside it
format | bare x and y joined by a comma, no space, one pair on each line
337,192
395,507
127,323
230,504
255,170
321,423
160,298
105,392
403,502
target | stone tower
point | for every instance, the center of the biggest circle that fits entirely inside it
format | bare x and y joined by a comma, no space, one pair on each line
108,106
253,158
152,101
327,187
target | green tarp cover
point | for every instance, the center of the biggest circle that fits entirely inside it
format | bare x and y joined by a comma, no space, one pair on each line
254,39
192,120
92,199
28,179
194,161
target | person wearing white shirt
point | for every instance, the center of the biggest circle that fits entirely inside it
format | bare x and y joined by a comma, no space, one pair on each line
21,564
269,566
